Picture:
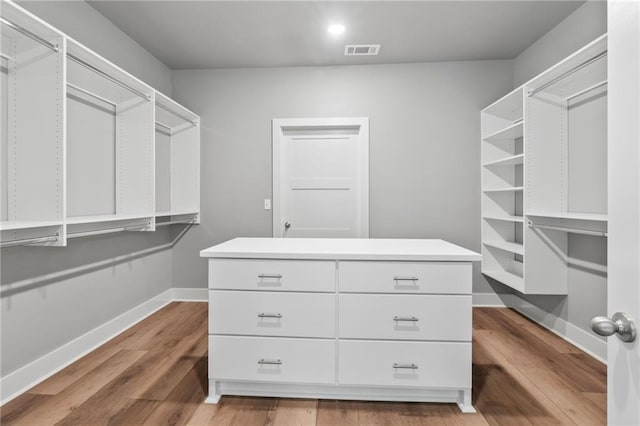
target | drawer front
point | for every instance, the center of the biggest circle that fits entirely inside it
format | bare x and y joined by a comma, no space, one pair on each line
269,359
261,313
405,364
405,277
272,275
406,317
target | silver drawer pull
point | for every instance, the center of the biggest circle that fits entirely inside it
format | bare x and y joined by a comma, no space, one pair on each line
263,361
277,276
266,315
410,319
405,278
411,366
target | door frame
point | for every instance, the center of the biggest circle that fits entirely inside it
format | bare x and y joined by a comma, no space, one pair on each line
278,128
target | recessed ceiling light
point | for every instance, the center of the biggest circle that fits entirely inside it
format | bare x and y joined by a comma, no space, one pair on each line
336,29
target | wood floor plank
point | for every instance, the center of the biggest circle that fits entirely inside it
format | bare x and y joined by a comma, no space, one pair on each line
331,413
75,371
296,412
156,373
13,412
60,405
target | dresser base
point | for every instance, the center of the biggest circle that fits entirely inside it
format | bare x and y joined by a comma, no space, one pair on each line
461,397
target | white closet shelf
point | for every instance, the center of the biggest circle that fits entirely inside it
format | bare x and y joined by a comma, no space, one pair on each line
77,220
513,160
506,218
592,217
512,131
512,280
508,107
512,247
11,225
507,189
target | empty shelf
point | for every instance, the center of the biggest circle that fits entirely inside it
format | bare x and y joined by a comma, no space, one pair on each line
11,225
176,213
594,217
514,160
103,218
508,189
508,278
509,246
512,131
506,218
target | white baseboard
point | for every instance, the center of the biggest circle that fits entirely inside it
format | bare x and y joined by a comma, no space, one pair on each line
491,300
578,337
190,294
35,372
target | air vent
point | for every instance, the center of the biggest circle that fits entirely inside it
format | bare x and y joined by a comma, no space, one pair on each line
361,49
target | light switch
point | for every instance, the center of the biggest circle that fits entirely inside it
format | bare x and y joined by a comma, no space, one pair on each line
267,204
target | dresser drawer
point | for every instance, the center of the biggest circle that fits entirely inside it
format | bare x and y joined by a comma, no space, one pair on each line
405,364
405,317
270,359
272,275
405,277
261,313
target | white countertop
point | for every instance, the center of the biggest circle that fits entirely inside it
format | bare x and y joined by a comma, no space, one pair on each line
341,249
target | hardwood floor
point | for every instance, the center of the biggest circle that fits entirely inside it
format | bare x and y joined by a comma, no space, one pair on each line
156,373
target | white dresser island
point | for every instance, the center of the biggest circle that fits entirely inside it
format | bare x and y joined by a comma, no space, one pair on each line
371,319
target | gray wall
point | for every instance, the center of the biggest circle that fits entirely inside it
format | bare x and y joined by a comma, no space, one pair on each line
587,294
424,146
49,296
86,25
584,25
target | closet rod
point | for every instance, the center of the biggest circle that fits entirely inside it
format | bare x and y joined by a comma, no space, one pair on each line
28,241
587,90
163,125
31,35
570,230
108,77
7,57
93,95
569,72
175,222
106,231
189,120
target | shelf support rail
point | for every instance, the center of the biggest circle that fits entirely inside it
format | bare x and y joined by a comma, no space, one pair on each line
33,36
568,73
24,241
567,229
108,77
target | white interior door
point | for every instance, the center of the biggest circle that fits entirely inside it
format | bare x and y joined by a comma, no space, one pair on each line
624,206
321,177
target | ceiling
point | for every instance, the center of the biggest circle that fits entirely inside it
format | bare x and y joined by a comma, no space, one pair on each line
235,34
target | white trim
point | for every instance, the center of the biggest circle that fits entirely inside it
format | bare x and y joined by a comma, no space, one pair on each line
578,337
183,294
21,380
491,300
278,125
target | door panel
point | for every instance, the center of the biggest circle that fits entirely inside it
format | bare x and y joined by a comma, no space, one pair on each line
320,178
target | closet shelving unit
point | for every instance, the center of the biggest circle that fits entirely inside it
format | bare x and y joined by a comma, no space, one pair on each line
563,161
177,163
110,146
78,142
32,167
502,190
